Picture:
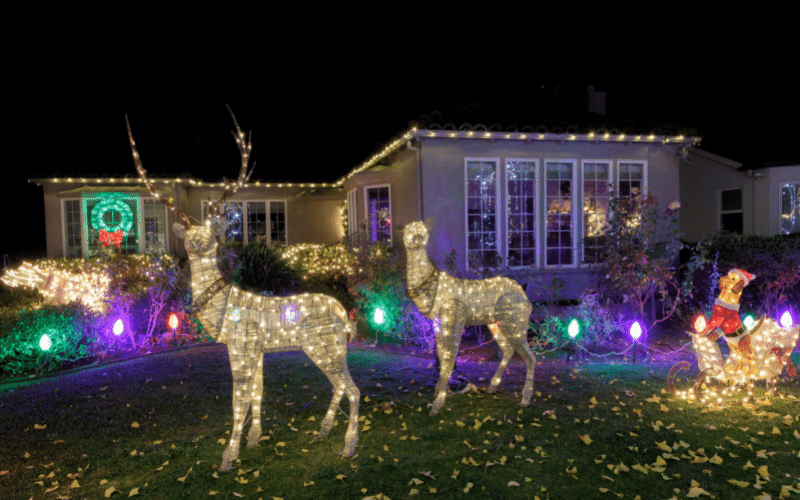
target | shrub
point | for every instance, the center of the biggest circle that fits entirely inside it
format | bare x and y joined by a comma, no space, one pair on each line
259,267
41,340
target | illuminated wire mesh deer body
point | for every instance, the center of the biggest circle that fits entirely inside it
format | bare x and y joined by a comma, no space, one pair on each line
497,302
252,325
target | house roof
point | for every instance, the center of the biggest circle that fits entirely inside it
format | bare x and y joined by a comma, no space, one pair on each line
586,127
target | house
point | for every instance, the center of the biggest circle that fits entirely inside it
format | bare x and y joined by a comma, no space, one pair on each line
533,198
78,209
753,199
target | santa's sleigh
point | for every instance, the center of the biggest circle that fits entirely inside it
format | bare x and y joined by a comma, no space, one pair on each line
771,345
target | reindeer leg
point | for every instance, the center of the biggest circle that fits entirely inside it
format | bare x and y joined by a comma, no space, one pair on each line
354,395
241,403
453,317
507,351
520,345
255,403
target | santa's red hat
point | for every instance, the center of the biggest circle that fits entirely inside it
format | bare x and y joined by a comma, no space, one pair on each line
744,275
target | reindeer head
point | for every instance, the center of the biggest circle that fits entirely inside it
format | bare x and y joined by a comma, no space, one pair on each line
415,234
201,239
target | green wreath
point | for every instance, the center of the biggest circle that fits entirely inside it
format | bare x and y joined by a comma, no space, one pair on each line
116,205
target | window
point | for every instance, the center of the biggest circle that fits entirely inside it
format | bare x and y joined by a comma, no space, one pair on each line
352,216
731,219
72,228
560,216
99,219
596,180
631,178
379,213
481,190
521,229
247,221
155,226
790,208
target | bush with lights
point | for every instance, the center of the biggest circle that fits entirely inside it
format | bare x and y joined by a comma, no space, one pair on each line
47,338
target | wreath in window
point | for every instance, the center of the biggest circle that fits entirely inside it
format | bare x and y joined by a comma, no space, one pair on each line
111,234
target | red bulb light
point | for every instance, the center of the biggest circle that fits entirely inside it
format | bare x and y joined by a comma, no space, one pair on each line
700,323
172,321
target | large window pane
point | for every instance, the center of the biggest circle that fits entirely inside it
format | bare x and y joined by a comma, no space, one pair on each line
731,218
596,177
155,226
481,184
521,230
277,222
72,228
256,220
790,208
560,213
379,215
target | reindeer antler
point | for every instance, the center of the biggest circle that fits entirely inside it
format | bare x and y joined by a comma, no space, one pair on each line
143,175
244,150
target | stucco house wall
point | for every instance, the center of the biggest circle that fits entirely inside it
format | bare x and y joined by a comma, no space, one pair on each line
704,176
313,215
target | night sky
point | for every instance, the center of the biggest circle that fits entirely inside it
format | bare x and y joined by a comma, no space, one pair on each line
321,92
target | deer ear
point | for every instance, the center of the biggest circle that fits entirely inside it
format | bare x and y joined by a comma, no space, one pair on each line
179,229
430,222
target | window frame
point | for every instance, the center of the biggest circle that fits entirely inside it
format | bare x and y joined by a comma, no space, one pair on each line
506,213
721,212
81,227
573,215
352,214
616,175
780,204
498,204
204,204
612,188
368,215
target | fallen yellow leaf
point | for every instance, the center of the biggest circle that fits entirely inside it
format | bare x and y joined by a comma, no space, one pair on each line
740,484
74,484
586,439
135,425
341,477
109,491
133,492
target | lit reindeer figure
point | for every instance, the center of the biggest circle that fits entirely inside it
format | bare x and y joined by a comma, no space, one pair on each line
497,302
252,324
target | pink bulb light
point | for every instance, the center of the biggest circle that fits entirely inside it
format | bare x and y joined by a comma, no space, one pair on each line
119,327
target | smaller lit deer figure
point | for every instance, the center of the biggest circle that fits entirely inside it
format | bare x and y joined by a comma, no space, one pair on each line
497,302
252,325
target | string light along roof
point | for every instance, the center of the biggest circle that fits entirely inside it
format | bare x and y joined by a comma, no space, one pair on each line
426,129
175,180
528,134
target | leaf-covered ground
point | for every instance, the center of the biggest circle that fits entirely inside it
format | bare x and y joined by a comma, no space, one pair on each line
156,427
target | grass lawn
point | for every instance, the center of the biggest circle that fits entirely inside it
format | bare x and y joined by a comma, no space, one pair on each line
156,427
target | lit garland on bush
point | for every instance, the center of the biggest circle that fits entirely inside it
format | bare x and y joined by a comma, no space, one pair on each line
320,260
84,281
498,302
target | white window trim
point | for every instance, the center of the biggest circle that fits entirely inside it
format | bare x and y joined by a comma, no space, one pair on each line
780,201
366,208
645,188
142,237
574,204
244,202
64,224
721,212
581,221
536,215
352,213
498,210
